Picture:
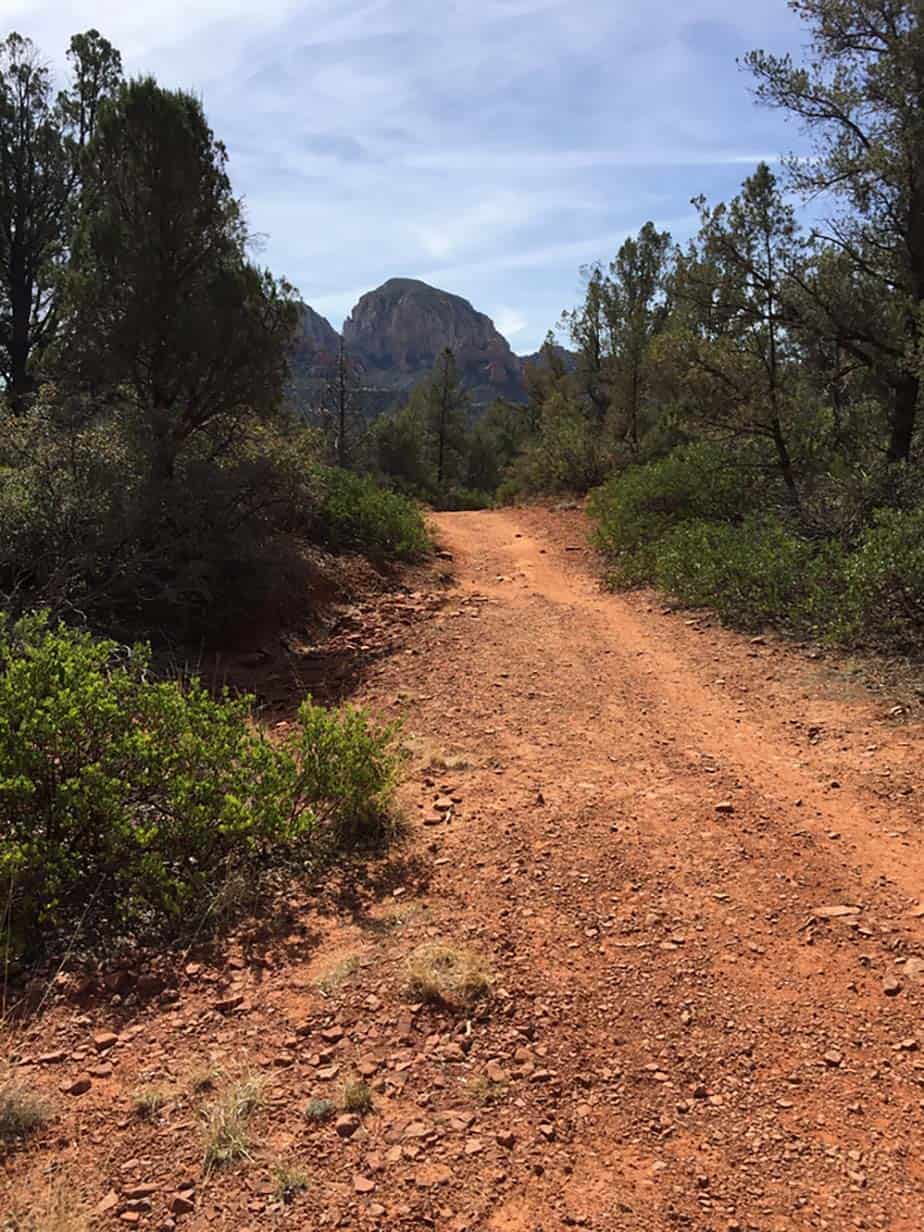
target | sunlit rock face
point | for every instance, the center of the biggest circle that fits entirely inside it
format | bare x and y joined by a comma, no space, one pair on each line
399,329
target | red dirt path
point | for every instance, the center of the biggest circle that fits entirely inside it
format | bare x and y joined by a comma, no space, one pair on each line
653,818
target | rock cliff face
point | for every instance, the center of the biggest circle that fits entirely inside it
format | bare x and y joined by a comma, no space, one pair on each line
316,344
398,330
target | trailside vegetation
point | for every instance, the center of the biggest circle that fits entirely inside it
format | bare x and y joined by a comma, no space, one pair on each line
155,489
746,409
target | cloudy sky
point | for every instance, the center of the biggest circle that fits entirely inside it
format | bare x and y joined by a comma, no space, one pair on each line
490,147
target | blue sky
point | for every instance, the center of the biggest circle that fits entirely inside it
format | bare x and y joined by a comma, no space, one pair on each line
490,147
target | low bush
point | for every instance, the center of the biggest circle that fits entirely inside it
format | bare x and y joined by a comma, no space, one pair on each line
634,510
754,574
885,583
355,514
126,802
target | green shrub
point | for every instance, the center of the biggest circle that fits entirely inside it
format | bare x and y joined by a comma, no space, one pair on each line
125,802
754,574
885,583
568,455
638,507
356,514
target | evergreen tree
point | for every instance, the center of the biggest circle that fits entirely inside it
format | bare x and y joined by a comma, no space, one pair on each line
41,136
165,303
735,352
448,406
861,96
637,305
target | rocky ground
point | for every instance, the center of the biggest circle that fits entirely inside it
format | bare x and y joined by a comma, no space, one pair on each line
691,862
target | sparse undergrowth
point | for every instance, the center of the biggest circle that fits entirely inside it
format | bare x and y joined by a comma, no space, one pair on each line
130,804
289,1179
357,1097
441,974
226,1132
22,1111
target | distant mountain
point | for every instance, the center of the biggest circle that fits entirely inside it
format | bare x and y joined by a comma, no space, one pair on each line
395,334
399,329
316,344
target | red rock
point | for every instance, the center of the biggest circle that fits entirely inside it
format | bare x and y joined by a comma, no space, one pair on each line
182,1204
77,1086
104,1040
227,1004
363,1184
347,1125
109,1203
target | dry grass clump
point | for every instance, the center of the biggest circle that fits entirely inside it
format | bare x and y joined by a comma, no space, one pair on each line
226,1136
148,1101
357,1097
443,975
57,1212
337,975
203,1078
289,1179
22,1112
483,1091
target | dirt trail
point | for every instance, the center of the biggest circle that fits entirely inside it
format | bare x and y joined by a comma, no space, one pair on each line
693,861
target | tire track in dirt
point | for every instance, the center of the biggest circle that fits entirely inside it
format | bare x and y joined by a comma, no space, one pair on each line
701,1019
725,1028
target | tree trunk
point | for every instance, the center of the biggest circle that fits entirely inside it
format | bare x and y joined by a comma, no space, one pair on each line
342,397
20,311
904,414
785,464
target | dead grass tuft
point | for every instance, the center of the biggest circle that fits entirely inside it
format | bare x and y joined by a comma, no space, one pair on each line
443,975
483,1091
226,1136
357,1097
289,1179
22,1111
148,1101
337,975
56,1213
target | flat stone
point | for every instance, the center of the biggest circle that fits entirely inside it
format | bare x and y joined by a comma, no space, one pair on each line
78,1086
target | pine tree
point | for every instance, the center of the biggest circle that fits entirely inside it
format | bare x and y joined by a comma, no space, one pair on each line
165,303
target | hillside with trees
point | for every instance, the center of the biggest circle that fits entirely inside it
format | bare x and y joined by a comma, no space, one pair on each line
747,406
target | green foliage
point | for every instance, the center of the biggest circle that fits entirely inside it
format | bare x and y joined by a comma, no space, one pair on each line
885,583
634,510
567,454
127,801
213,553
162,297
754,574
355,514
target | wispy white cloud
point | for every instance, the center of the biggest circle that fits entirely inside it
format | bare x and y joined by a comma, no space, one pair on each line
492,146
510,321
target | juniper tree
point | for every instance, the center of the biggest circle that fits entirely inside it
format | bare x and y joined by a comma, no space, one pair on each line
860,96
166,306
